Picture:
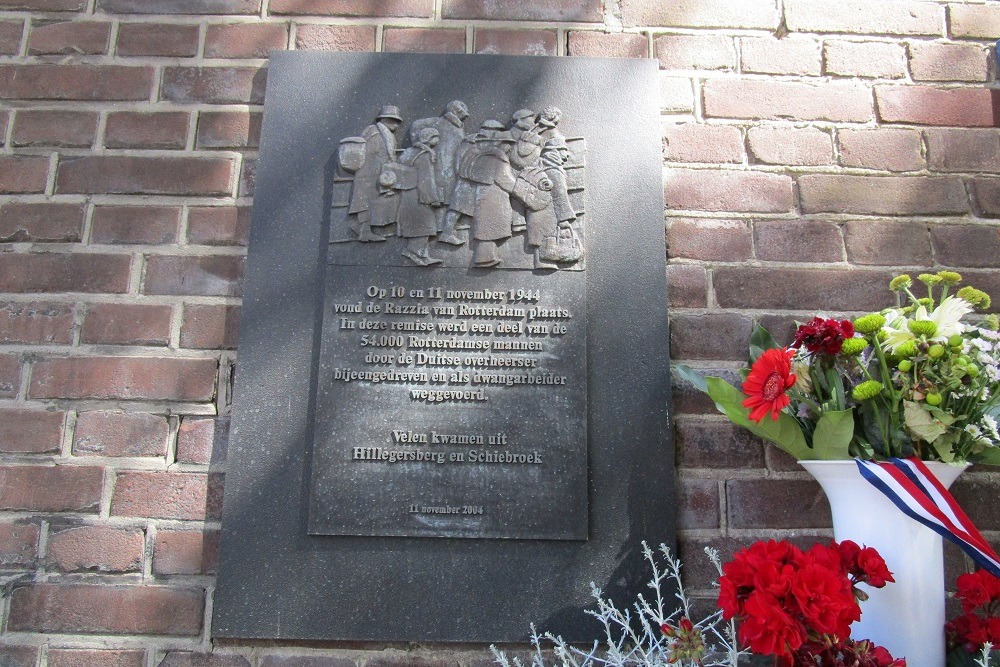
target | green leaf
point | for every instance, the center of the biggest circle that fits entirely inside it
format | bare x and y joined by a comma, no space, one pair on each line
989,456
833,435
785,432
760,341
944,448
692,376
921,423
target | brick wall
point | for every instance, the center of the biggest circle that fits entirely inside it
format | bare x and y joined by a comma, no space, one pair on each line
811,149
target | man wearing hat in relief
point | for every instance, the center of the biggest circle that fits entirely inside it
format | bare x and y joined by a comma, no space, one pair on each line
374,204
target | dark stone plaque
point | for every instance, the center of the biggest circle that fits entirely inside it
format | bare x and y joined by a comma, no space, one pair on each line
455,328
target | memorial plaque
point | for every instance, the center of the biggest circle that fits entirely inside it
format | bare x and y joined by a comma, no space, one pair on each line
451,410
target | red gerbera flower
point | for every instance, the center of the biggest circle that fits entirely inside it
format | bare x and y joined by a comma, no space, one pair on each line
770,376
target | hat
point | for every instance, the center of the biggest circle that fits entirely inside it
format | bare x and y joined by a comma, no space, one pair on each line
555,143
389,111
523,113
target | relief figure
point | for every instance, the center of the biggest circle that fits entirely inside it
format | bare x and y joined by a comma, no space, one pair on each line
420,198
374,202
451,131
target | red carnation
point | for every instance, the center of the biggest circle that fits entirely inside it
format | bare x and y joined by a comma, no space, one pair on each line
770,377
823,336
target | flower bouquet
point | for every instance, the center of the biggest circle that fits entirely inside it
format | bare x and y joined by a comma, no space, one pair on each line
917,380
798,606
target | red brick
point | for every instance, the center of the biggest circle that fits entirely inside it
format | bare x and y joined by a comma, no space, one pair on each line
708,239
157,39
186,552
882,195
214,275
887,243
715,444
923,105
10,375
11,33
970,492
210,327
516,42
218,225
974,21
152,225
51,489
589,11
701,13
690,339
389,8
41,222
741,191
179,6
789,55
706,52
697,142
776,503
874,60
797,241
165,495
103,609
126,324
607,45
228,129
73,38
202,440
934,61
26,431
18,656
22,174
76,272
886,17
85,657
889,149
136,129
676,94
795,146
188,659
310,37
96,549
75,82
976,246
245,40
214,85
697,503
963,150
18,548
425,40
787,100
986,194
124,378
687,286
120,434
45,323
828,290
45,5
54,128
126,174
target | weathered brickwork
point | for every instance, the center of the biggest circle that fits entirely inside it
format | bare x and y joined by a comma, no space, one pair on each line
811,149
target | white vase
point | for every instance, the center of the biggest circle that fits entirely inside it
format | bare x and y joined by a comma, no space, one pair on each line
907,617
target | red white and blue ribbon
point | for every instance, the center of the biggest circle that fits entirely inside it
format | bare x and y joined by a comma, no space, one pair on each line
917,493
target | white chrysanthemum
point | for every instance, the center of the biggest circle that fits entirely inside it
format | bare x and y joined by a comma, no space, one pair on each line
990,428
947,316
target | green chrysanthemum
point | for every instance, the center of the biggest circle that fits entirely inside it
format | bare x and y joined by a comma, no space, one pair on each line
976,297
867,390
907,349
869,323
950,277
853,346
929,279
992,322
900,283
926,302
922,327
